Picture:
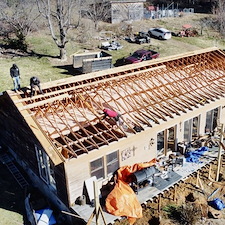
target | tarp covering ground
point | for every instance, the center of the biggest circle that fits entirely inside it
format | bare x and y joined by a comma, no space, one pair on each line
122,201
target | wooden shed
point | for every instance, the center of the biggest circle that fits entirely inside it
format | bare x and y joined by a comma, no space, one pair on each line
61,140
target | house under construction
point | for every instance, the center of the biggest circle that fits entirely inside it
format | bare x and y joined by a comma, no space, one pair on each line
61,139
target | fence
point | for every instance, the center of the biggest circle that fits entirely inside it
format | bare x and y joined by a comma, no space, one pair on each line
161,13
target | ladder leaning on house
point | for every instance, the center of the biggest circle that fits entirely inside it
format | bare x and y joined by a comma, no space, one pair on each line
8,161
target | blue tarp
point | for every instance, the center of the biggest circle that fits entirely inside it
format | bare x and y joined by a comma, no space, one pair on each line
38,214
217,204
195,155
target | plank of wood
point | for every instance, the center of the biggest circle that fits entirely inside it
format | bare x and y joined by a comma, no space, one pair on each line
89,184
48,94
81,86
71,214
46,101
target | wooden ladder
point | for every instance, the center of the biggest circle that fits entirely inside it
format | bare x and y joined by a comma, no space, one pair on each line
8,161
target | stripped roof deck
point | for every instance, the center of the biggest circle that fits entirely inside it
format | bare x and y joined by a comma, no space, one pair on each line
145,94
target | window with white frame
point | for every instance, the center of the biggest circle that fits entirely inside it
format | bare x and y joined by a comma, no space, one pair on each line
187,130
45,166
112,162
160,142
195,127
211,120
52,174
97,168
191,129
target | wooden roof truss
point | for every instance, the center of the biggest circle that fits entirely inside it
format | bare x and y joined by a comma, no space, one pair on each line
71,114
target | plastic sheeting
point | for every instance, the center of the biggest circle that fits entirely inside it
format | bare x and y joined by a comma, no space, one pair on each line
122,201
217,204
45,216
195,155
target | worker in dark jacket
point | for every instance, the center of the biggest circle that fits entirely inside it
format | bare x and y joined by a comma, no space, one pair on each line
15,74
35,82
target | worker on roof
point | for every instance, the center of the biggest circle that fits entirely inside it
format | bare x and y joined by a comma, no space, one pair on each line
112,114
35,82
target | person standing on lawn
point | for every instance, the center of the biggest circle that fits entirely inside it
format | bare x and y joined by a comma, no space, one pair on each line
15,74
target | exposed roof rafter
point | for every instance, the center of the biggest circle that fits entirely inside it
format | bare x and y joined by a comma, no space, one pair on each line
70,111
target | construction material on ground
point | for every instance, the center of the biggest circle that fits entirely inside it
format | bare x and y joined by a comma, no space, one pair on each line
112,45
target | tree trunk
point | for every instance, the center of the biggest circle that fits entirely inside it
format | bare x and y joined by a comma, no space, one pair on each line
59,15
63,55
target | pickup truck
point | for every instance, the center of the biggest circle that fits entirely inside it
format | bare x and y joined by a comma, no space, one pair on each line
141,55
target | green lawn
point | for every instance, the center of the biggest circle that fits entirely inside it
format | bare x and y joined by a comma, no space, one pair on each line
9,217
44,63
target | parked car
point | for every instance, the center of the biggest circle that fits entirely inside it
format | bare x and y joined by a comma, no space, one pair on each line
160,33
141,55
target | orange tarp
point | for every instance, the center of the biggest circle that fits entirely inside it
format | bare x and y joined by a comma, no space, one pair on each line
122,201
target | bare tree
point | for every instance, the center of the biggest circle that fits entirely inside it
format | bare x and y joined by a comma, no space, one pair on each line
219,11
59,15
96,10
17,21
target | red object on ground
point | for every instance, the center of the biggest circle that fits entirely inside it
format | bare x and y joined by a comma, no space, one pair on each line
122,201
186,26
